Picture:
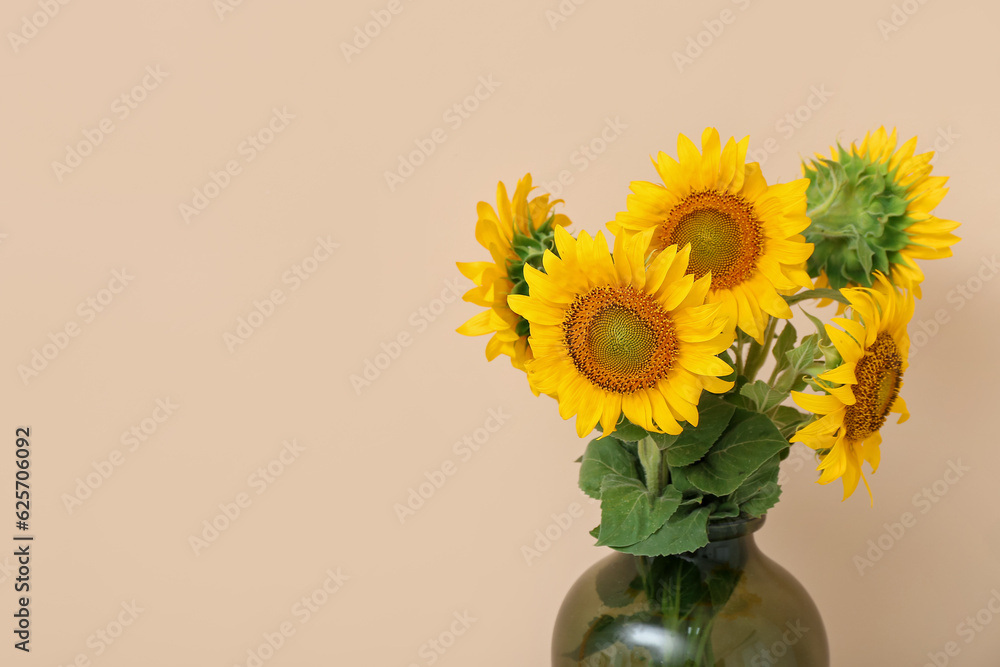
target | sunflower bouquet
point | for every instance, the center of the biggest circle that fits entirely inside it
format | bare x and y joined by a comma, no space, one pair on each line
660,342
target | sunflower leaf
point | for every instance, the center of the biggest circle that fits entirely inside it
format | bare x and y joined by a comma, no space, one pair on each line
629,432
802,357
694,442
685,531
763,395
630,513
760,491
750,440
604,456
819,293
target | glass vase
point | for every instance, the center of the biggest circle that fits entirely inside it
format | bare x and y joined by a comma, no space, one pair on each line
723,605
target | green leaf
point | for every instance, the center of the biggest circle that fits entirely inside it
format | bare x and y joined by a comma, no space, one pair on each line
802,357
750,440
686,530
785,342
604,456
694,442
763,395
821,293
629,432
726,509
788,420
760,491
629,513
824,338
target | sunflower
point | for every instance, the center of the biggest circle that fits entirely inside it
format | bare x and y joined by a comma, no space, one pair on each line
864,390
611,335
742,232
871,211
516,234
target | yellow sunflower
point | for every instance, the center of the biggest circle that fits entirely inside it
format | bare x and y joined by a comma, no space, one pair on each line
611,335
517,233
871,210
864,390
742,232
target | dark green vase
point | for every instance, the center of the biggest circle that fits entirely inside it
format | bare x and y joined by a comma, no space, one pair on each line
724,605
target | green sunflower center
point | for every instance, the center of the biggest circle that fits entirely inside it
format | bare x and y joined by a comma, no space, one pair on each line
725,236
879,374
620,339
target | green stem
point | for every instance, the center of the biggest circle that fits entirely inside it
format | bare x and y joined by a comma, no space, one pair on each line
758,353
739,358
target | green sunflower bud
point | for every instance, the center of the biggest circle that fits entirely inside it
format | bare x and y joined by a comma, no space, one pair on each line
859,218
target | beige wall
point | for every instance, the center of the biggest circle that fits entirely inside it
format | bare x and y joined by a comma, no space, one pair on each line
338,127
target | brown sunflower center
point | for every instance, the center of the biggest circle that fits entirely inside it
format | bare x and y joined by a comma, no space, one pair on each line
620,339
879,373
725,236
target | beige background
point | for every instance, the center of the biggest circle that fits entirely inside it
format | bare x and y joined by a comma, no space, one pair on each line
162,337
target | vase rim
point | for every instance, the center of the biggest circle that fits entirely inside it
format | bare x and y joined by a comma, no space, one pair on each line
728,529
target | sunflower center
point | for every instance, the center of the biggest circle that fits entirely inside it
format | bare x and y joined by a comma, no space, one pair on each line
725,236
620,339
879,374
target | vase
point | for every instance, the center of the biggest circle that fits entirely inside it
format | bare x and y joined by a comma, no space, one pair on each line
723,605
